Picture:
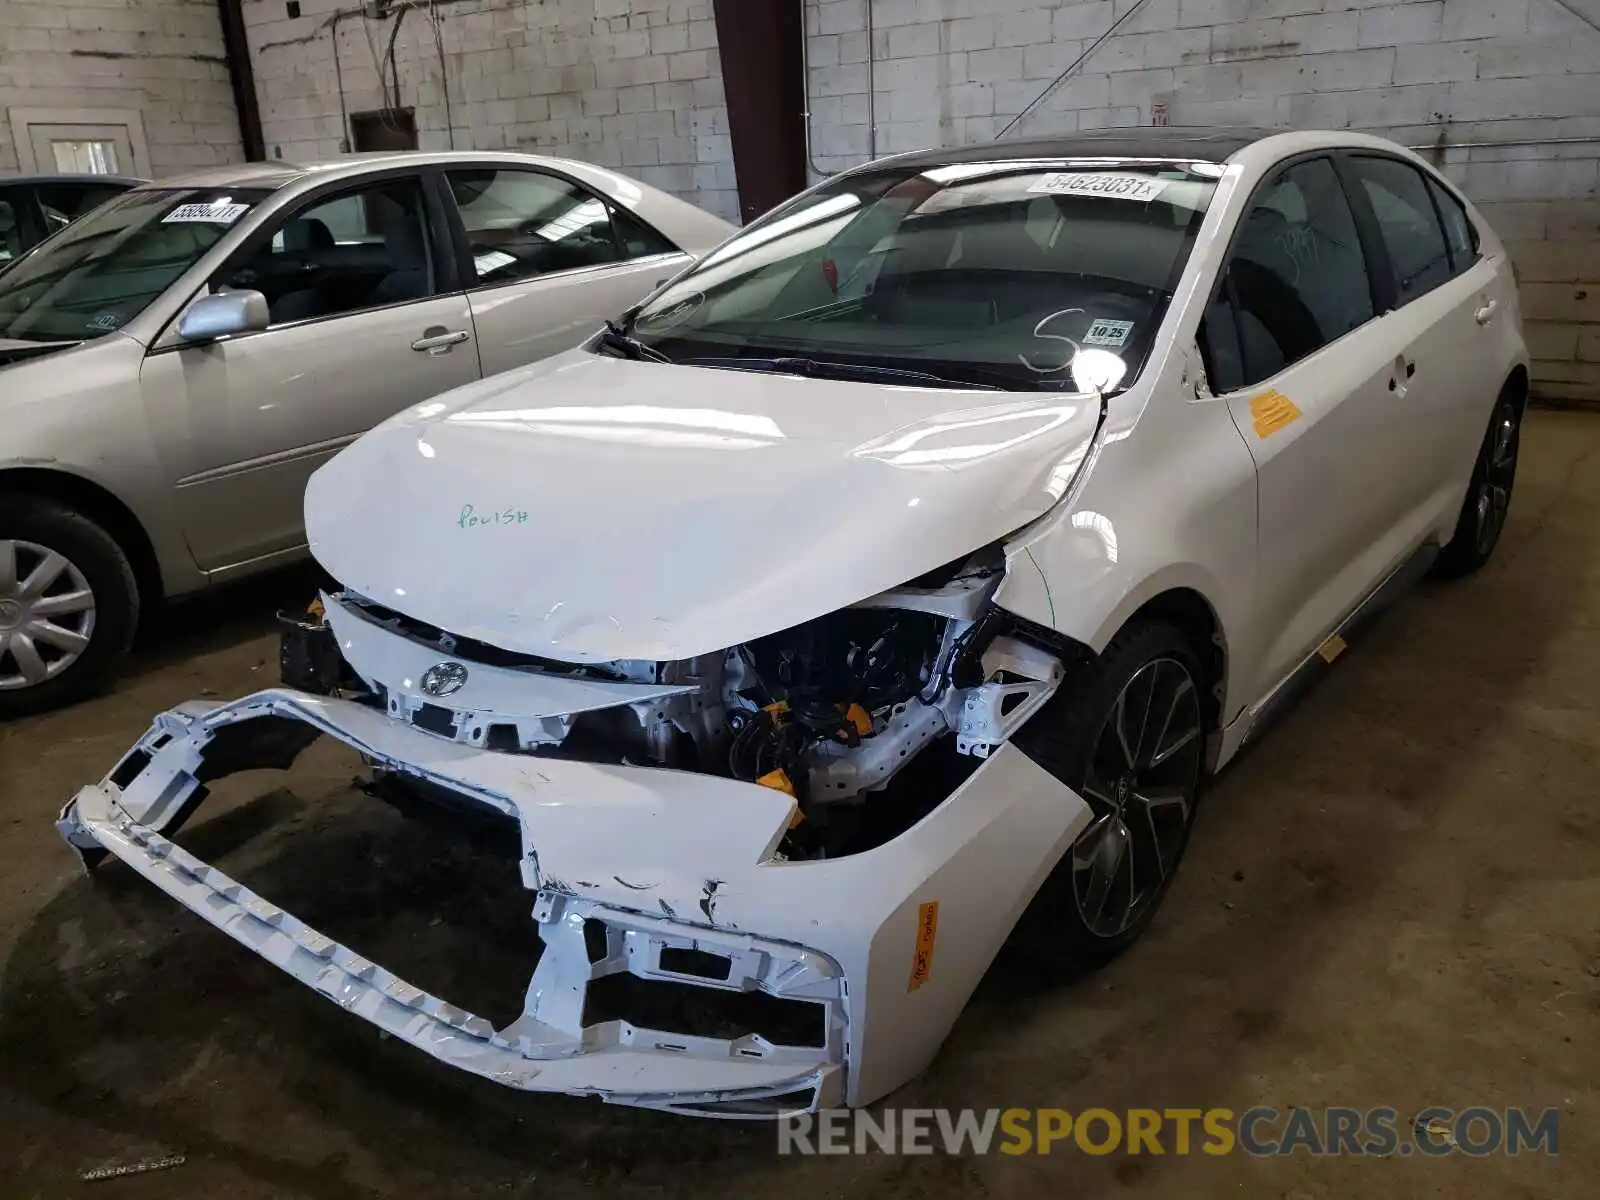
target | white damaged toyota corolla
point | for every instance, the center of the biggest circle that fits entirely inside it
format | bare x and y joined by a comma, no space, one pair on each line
881,589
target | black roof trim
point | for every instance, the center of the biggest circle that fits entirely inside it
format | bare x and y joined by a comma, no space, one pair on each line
127,181
1201,144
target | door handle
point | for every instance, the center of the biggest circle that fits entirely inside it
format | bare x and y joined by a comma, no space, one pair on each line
438,340
1486,314
1403,369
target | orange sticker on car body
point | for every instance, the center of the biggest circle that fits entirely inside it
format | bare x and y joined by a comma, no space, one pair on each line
927,932
1272,411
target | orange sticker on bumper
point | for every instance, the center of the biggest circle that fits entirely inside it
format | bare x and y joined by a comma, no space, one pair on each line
927,931
1272,411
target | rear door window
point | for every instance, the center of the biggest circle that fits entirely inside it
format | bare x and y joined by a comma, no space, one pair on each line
522,224
1412,234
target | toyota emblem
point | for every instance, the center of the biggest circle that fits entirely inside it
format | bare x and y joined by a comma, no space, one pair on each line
444,679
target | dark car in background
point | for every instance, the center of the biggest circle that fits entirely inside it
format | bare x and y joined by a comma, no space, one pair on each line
35,206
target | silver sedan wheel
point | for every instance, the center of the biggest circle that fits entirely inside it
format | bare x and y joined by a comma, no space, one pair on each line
47,614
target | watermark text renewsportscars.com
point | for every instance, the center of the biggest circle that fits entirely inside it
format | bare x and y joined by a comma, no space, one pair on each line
1261,1132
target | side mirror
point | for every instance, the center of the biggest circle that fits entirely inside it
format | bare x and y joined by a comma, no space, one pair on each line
222,314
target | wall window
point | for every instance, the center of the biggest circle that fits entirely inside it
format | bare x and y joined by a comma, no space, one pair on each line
1296,280
364,248
1409,225
521,224
85,156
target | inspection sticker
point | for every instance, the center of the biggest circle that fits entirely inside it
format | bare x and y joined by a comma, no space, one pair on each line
205,214
927,931
1272,411
1110,184
1107,333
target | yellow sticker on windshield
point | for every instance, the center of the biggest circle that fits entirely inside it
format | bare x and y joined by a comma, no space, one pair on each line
1272,411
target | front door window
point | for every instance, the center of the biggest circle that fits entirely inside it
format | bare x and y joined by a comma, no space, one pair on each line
359,249
1296,280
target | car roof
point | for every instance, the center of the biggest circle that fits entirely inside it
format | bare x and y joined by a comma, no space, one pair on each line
1202,143
279,173
70,177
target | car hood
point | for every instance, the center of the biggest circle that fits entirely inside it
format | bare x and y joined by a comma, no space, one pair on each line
588,508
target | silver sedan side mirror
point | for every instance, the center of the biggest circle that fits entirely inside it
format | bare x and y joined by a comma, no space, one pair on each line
224,313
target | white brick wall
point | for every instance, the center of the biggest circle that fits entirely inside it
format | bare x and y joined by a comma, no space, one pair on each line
162,58
1524,74
632,84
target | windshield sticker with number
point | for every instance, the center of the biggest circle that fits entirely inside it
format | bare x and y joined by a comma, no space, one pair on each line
205,214
1107,333
1109,185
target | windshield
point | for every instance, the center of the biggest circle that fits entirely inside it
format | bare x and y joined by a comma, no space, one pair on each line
99,273
1027,275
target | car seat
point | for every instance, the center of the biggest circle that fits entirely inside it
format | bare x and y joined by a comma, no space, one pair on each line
310,240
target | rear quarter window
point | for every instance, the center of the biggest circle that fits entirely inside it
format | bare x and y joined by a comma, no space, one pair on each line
1459,234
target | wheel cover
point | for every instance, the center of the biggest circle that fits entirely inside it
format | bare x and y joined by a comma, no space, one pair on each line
47,611
1498,475
1141,782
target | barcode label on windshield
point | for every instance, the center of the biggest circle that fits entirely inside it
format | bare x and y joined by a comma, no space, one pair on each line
1107,184
206,214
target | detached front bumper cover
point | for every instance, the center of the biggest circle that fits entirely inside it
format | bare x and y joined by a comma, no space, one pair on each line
547,1048
847,972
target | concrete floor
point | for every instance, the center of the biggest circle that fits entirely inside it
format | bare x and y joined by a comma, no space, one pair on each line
1391,901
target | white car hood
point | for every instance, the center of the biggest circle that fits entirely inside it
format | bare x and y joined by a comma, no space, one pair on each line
588,508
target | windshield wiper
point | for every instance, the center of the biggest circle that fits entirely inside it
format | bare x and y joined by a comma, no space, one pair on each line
862,372
615,337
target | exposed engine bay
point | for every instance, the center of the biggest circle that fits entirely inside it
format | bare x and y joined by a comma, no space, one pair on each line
828,712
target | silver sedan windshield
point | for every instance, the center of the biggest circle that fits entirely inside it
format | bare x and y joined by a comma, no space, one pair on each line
99,273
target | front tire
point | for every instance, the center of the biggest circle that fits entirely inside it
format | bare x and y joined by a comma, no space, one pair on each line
1484,511
1129,738
69,605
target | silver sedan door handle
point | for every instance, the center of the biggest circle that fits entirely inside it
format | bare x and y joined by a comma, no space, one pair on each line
1486,314
438,340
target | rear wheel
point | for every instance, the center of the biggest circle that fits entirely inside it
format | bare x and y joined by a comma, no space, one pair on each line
1483,513
1129,739
68,604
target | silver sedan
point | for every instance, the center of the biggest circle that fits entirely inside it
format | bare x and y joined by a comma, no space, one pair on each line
174,366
